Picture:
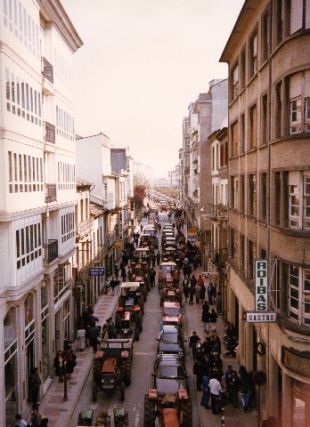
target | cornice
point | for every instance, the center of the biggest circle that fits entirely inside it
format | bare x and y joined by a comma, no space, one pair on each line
53,12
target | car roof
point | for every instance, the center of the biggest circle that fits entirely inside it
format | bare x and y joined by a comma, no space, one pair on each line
169,359
170,329
130,285
169,304
168,263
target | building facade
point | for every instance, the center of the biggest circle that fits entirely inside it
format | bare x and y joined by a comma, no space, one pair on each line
37,202
269,180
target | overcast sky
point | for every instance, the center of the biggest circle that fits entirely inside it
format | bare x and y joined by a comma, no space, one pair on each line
142,63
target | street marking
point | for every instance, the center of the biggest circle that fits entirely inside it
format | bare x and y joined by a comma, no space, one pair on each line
141,353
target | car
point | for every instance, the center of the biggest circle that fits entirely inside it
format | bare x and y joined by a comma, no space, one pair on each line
170,340
172,309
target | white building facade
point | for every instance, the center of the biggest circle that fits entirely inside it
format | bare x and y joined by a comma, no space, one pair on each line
37,193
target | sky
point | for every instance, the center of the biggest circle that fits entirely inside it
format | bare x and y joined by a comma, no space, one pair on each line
142,63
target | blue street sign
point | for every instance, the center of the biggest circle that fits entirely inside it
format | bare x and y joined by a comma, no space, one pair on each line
96,271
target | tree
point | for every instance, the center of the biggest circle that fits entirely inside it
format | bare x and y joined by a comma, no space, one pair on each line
139,195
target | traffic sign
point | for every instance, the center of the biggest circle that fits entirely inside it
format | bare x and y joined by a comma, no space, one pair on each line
96,271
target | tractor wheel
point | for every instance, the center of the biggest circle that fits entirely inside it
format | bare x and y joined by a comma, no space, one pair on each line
186,409
149,412
127,372
122,391
94,392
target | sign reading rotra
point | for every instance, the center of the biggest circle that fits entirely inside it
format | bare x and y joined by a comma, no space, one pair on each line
296,361
261,285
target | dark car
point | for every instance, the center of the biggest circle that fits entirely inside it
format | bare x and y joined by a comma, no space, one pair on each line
170,374
170,340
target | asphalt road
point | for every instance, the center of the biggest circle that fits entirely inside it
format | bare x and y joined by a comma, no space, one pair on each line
145,351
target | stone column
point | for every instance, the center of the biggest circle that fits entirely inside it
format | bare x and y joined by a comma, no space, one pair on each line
287,399
241,350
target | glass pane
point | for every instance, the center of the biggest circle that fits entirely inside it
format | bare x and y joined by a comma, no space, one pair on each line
9,326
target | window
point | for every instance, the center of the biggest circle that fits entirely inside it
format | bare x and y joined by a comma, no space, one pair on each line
233,245
235,81
299,294
265,38
252,194
278,110
242,252
223,154
64,124
234,192
20,168
279,22
67,226
234,139
299,94
253,127
242,196
264,120
299,200
66,176
296,13
263,196
28,244
242,133
242,69
250,259
253,65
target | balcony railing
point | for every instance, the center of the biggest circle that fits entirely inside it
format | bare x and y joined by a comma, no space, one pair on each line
51,250
50,193
49,133
48,70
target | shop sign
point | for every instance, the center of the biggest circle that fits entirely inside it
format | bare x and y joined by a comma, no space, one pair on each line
296,361
95,271
260,317
117,245
192,230
261,285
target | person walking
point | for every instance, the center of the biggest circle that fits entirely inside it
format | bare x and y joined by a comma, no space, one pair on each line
158,258
185,288
58,366
36,417
205,391
218,303
202,292
93,333
34,385
191,294
213,318
205,317
244,388
198,370
152,277
197,293
215,390
233,389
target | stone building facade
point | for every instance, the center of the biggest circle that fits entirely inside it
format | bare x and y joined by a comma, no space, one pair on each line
269,197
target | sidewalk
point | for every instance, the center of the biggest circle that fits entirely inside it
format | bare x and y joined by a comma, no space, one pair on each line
234,417
52,405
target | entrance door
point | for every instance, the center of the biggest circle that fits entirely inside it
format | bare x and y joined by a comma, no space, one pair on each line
30,360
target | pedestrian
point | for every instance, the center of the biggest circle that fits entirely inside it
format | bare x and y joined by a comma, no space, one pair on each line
34,385
197,293
216,343
93,333
202,292
210,293
158,258
215,390
205,391
116,270
113,284
185,289
58,366
36,417
193,340
198,370
213,318
19,422
233,389
191,294
205,316
252,391
244,387
218,303
152,275
44,422
70,359
111,329
200,280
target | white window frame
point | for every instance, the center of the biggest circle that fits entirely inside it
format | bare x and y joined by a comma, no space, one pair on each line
299,220
302,298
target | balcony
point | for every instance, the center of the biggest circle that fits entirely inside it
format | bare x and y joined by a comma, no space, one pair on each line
47,70
49,135
50,193
51,250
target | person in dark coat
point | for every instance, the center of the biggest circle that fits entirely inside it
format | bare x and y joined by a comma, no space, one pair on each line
93,333
34,385
158,258
205,316
198,370
58,366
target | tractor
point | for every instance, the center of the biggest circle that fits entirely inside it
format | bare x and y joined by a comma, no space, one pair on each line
112,367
